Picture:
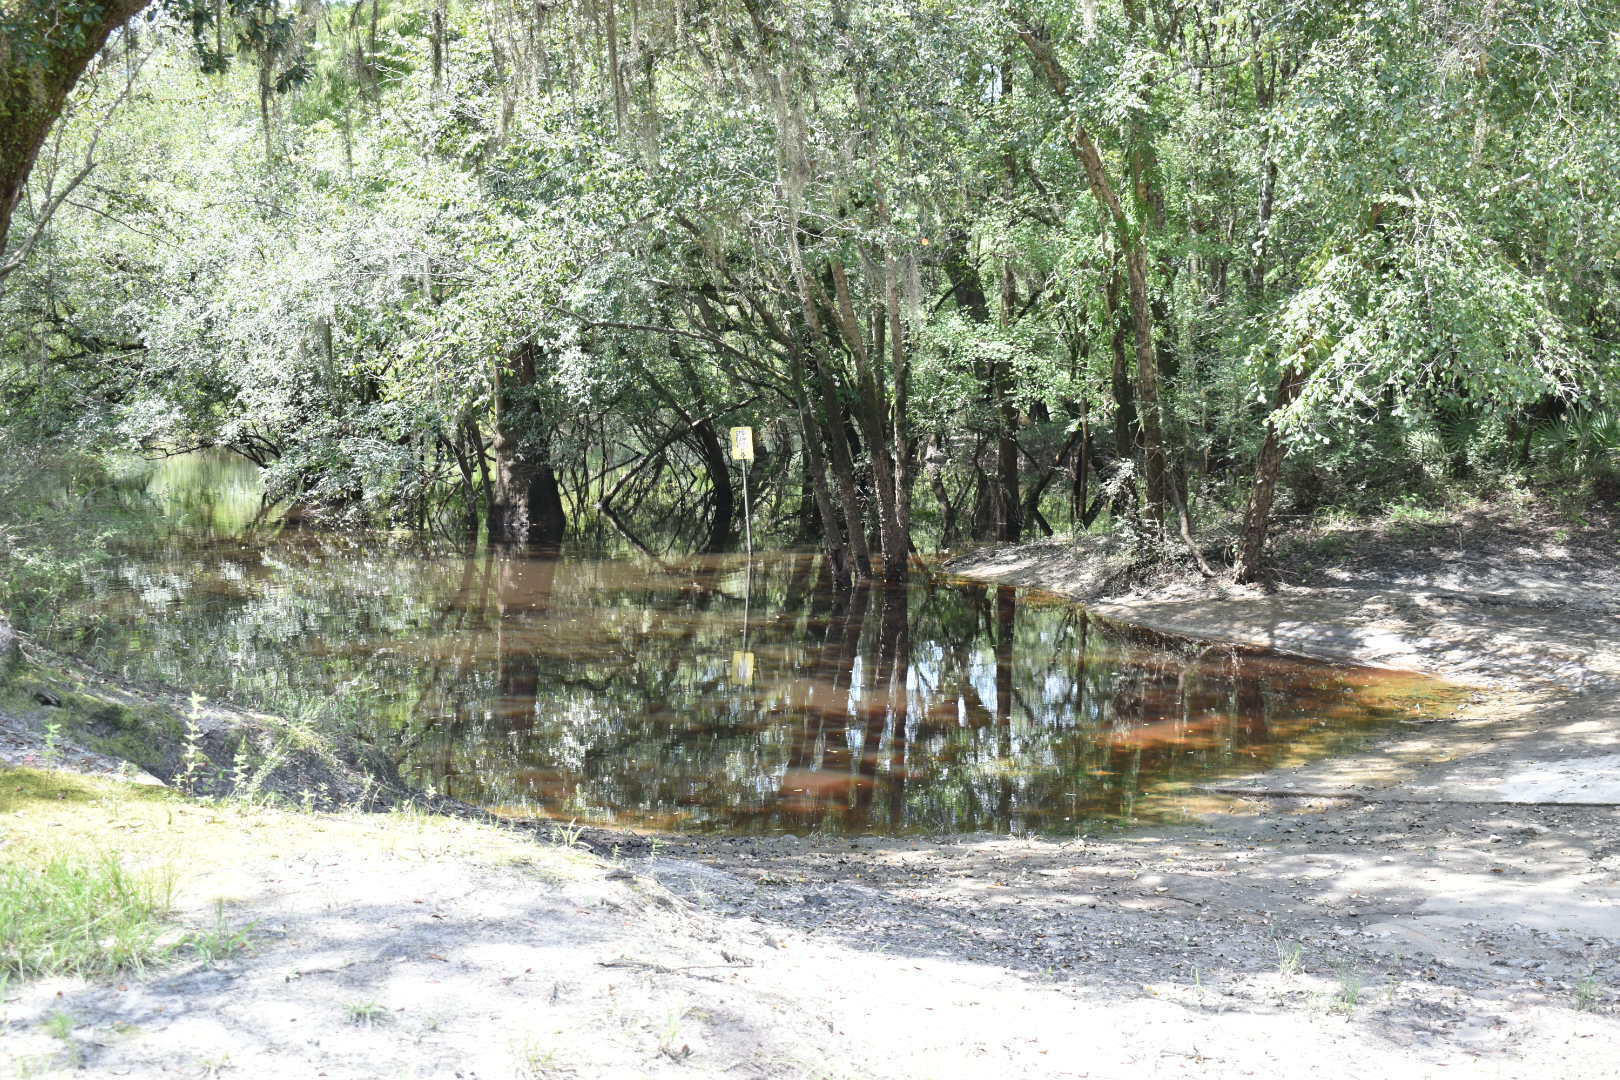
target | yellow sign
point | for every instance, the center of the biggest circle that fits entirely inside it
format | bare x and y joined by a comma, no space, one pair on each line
742,444
742,664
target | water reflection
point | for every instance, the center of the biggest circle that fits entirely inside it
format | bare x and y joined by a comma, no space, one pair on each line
695,695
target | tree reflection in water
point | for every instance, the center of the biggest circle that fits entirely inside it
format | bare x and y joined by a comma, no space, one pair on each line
604,689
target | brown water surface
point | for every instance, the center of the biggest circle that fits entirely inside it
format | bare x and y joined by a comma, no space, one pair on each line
703,693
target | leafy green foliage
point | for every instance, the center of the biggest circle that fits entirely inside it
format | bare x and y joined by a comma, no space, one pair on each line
329,254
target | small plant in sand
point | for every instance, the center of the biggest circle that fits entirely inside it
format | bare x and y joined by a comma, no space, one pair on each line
1289,956
58,1025
214,1066
220,943
366,1013
567,835
670,1042
1350,986
192,758
1586,994
533,1061
53,743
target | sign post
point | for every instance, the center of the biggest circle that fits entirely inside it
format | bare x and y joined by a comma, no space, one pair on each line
742,451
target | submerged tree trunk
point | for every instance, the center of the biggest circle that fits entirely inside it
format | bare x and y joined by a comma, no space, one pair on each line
895,647
523,598
725,500
525,506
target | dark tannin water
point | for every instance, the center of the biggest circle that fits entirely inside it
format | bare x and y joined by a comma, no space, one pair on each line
705,694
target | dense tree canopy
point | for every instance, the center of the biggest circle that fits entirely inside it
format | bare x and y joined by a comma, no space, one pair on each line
969,270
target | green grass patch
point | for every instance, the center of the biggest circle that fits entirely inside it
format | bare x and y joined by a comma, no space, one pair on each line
88,872
80,917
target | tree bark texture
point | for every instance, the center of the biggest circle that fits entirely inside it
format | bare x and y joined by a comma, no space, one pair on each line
525,505
43,53
725,500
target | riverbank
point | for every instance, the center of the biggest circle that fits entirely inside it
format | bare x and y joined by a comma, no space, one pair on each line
1487,598
1525,613
1440,903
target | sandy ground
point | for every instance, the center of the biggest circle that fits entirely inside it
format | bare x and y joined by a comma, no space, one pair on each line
1371,940
1445,903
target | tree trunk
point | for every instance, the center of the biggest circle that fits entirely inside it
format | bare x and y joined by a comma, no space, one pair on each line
831,414
1127,432
967,289
725,500
1009,515
809,525
816,465
1155,478
1037,490
1251,565
1134,248
41,58
1082,466
525,506
836,441
934,470
872,412
10,652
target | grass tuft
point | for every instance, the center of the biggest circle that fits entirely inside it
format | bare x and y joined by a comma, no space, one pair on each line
60,1025
1587,994
1350,986
222,942
366,1013
86,918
